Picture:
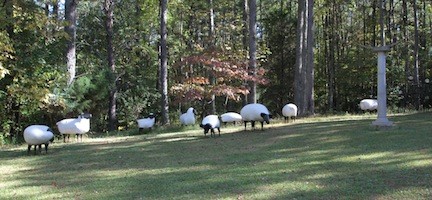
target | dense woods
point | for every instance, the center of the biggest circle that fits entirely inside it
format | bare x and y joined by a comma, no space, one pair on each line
121,60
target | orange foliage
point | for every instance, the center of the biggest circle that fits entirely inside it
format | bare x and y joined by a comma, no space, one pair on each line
229,72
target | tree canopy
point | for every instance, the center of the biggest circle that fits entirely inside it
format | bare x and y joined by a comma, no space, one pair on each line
207,58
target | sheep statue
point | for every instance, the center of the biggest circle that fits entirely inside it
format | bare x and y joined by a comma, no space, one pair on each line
37,135
210,122
289,111
255,112
231,117
188,118
146,123
368,104
77,126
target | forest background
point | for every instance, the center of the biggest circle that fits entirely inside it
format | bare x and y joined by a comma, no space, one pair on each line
123,59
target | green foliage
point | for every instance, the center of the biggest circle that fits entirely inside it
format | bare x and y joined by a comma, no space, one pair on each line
279,25
137,103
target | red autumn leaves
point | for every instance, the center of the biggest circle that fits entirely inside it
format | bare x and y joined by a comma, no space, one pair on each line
219,73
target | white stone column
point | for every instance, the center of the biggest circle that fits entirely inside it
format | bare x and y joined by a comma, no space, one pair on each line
382,88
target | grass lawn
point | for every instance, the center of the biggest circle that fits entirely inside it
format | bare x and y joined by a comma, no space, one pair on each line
337,157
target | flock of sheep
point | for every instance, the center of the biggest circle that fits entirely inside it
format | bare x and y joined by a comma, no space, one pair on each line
250,113
38,135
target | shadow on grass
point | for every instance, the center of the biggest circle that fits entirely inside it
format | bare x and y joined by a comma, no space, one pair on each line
347,159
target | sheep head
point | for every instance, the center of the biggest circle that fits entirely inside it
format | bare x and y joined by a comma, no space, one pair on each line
85,115
266,117
206,127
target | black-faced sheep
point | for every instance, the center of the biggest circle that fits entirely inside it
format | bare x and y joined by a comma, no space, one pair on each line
255,112
37,135
210,122
77,126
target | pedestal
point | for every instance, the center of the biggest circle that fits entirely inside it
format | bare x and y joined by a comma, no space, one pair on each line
382,91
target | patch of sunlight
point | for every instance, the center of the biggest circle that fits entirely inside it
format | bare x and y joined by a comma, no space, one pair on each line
179,139
405,160
371,156
323,175
106,140
273,190
289,136
279,160
420,163
113,174
11,169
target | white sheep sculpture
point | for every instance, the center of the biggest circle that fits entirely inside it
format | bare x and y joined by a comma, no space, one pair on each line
255,112
231,117
368,104
210,122
188,118
289,111
77,126
146,123
37,135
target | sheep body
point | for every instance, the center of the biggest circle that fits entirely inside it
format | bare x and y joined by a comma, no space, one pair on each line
78,126
289,110
37,135
255,112
231,117
188,118
146,123
368,104
210,122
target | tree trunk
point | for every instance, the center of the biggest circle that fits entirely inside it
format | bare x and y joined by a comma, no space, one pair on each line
163,71
252,50
304,80
70,29
405,50
109,23
245,38
212,43
416,56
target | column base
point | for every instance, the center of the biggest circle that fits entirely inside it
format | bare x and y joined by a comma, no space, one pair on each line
382,122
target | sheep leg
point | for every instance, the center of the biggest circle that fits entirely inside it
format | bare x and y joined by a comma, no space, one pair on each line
219,131
212,133
35,148
28,149
286,119
245,122
262,125
253,124
64,138
40,148
46,147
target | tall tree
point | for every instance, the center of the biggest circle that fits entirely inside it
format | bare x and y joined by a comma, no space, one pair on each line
212,44
304,79
163,74
245,30
252,49
109,23
70,28
416,55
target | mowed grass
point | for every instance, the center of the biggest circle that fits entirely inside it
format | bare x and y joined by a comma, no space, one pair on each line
337,157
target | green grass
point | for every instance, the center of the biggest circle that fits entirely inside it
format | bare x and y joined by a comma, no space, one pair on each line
334,157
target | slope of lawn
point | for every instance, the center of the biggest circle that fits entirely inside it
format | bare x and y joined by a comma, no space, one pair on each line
337,157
